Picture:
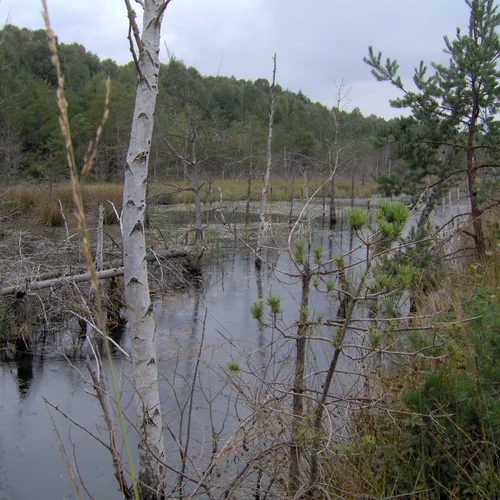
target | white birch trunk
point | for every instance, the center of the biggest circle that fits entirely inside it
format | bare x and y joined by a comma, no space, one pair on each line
140,312
267,173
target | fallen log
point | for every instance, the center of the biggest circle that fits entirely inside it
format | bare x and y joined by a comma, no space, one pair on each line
21,290
70,270
115,269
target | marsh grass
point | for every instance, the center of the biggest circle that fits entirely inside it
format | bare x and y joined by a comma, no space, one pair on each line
280,189
42,204
51,215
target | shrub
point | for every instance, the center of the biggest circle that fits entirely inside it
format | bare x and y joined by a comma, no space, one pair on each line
446,439
358,218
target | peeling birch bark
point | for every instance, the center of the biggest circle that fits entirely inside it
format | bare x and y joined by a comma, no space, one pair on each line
139,308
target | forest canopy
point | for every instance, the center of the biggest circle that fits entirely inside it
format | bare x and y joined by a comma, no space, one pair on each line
231,113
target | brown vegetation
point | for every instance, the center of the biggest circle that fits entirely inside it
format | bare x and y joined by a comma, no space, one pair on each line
43,204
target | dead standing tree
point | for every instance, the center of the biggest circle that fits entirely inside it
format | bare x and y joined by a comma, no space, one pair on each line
267,172
342,94
145,52
190,146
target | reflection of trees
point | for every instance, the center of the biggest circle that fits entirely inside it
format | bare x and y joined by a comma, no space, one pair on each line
260,327
191,346
24,362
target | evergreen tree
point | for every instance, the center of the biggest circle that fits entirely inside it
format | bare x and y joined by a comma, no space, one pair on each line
455,110
223,107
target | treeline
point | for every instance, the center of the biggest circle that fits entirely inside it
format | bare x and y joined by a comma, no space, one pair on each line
217,123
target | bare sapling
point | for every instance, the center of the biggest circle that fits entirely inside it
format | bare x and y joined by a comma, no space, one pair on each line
350,285
334,156
391,220
250,174
191,149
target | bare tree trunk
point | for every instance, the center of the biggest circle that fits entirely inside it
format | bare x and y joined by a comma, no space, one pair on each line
140,311
197,204
267,173
99,261
475,210
333,213
196,187
352,185
290,215
323,196
333,168
298,384
250,174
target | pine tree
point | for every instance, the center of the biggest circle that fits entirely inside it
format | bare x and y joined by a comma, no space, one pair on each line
455,110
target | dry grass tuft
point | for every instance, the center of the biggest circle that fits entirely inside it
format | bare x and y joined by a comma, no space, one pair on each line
42,204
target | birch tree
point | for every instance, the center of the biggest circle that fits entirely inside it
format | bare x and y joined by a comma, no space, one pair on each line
145,50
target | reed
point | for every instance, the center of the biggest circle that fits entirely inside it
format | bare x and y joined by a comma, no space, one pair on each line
280,189
41,203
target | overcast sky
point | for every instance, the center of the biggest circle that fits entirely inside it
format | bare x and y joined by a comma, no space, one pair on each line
318,42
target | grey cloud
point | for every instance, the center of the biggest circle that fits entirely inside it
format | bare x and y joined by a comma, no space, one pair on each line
317,42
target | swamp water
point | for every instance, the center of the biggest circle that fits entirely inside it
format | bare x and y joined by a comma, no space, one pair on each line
217,311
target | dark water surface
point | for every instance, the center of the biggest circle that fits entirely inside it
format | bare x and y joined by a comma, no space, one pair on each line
219,311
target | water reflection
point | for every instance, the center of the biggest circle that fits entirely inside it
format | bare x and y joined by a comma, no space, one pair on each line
261,342
213,319
24,362
30,462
